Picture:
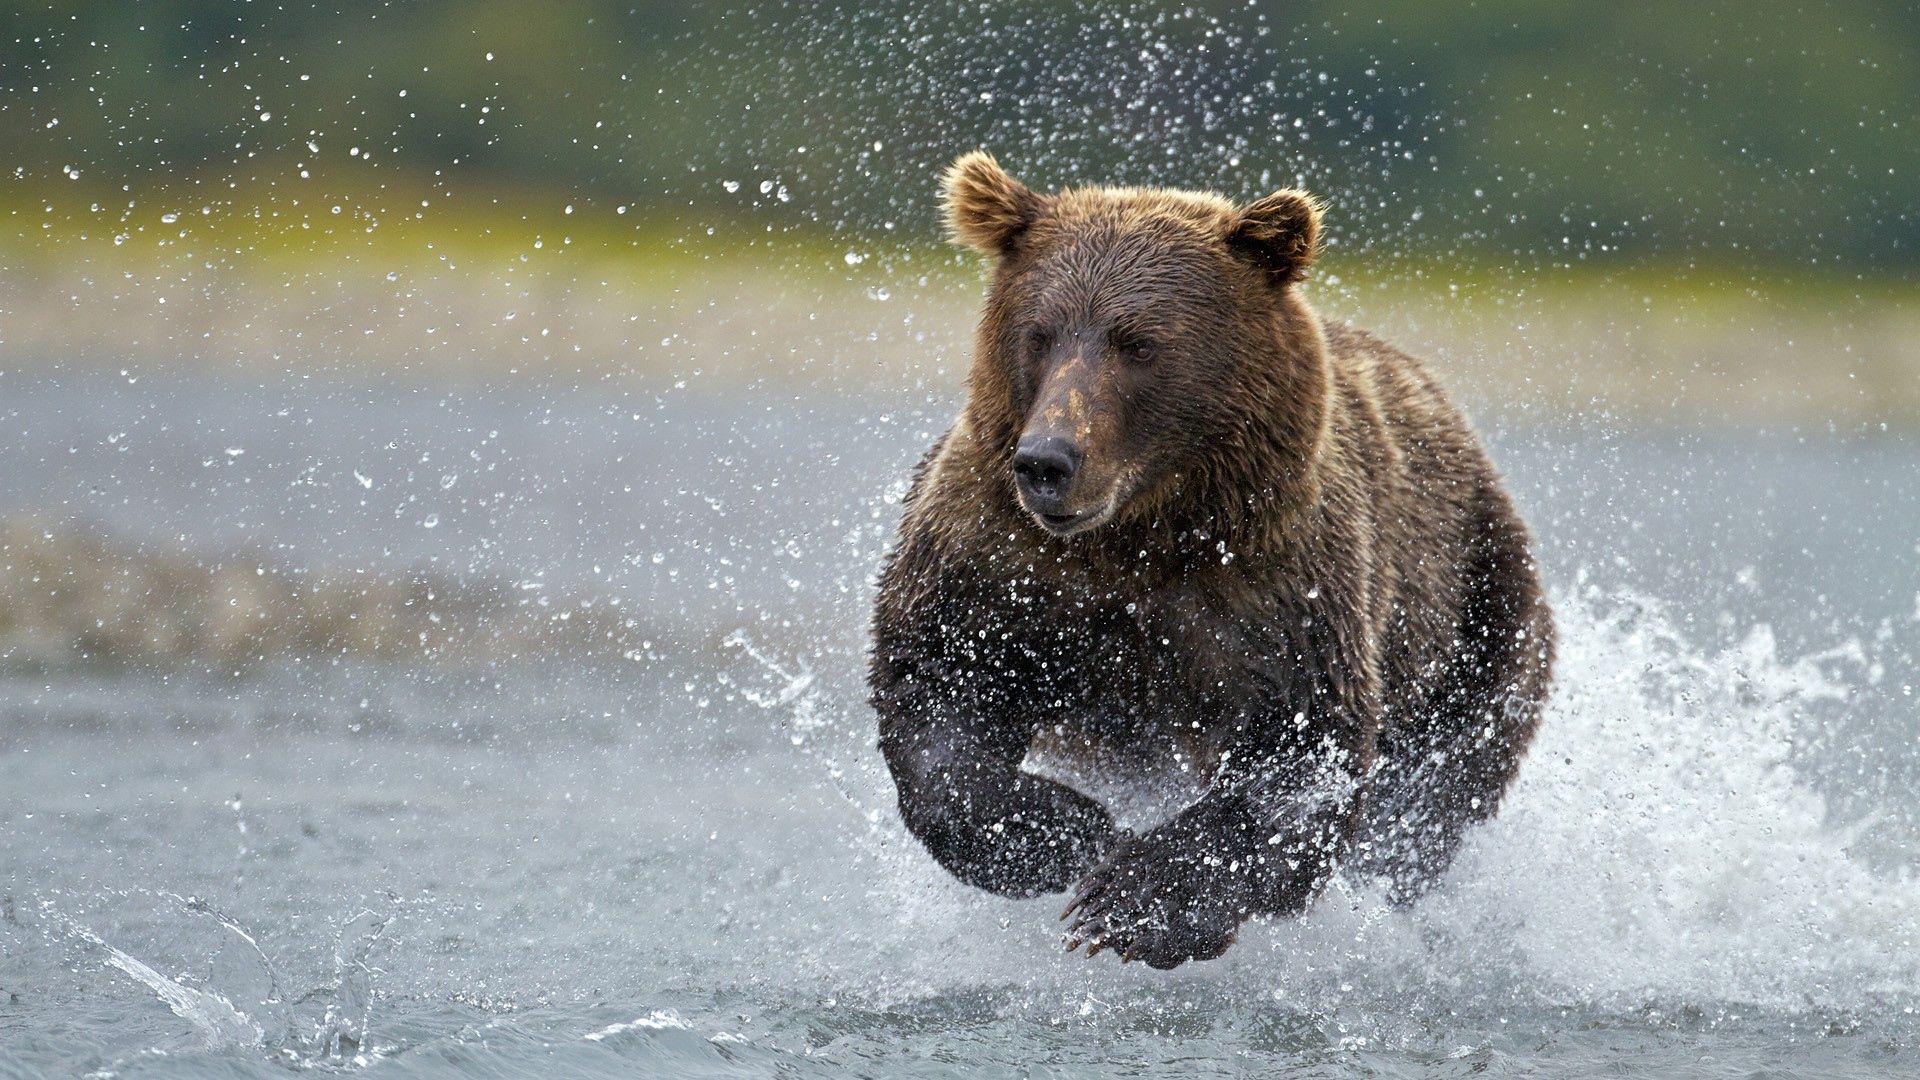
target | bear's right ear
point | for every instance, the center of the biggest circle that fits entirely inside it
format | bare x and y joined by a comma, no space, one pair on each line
1280,233
987,210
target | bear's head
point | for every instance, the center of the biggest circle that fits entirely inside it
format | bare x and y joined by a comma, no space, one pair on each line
1143,355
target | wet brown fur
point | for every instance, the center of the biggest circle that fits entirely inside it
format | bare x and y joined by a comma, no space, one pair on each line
1313,587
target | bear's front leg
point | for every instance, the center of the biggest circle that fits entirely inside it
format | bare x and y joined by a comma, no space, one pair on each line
1006,831
987,822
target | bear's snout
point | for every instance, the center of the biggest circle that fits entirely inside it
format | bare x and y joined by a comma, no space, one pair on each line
1043,466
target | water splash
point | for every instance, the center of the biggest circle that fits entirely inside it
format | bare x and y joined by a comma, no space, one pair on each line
1668,842
344,1031
1667,839
221,1026
806,718
252,980
247,1010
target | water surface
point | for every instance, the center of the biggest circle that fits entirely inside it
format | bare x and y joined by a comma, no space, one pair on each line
624,817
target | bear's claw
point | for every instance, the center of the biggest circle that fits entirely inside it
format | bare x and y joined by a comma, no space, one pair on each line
1146,903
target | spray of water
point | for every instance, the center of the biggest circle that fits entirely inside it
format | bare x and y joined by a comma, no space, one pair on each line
1666,840
219,1024
1665,844
243,1007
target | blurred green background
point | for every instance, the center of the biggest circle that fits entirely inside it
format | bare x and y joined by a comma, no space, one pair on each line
1655,206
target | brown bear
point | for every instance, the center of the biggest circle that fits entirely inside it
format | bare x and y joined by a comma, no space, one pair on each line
1184,520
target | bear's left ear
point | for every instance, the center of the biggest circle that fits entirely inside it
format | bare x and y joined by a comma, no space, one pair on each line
987,210
1279,233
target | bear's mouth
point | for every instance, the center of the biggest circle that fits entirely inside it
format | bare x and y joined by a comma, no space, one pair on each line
1078,521
1075,523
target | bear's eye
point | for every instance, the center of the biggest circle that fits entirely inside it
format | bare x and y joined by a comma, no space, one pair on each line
1038,342
1138,350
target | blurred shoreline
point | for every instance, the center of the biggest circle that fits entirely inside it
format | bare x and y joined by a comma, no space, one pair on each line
590,299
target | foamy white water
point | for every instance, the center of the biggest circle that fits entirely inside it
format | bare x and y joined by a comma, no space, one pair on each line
1669,841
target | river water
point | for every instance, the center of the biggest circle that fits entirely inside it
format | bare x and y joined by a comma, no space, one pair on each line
514,732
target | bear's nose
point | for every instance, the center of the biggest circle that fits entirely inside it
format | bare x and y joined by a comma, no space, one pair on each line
1043,464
